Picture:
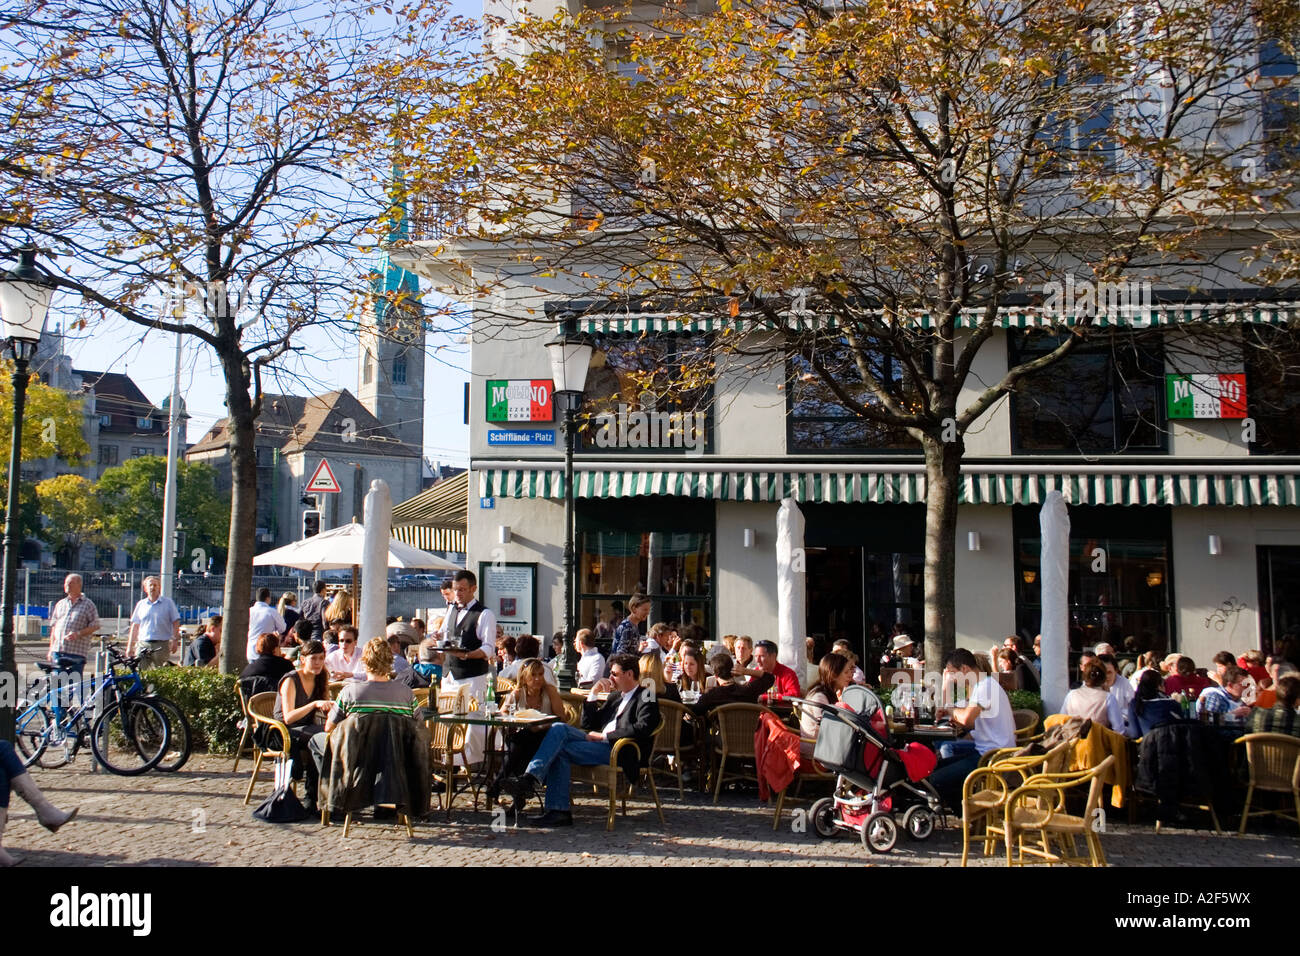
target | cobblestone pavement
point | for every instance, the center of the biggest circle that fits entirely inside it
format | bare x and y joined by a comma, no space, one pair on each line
197,817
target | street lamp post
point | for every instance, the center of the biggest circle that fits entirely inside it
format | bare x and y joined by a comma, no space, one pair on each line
570,357
24,302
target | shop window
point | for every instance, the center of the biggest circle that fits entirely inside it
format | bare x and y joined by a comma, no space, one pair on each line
1272,360
1280,104
1104,397
618,557
819,421
1120,579
648,395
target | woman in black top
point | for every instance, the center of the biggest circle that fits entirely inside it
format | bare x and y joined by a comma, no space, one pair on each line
267,668
302,704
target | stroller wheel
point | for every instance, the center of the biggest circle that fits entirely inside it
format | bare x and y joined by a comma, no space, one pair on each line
918,821
879,832
822,814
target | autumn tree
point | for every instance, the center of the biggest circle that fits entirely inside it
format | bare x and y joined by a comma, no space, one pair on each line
860,194
72,514
131,497
212,170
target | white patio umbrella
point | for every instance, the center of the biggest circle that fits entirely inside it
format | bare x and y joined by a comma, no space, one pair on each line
344,547
1054,522
791,622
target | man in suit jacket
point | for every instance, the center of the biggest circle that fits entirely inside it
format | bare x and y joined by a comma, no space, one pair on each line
630,711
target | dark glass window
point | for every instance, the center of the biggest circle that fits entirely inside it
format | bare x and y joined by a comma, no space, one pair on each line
399,369
1272,359
1280,104
818,419
1120,579
1103,398
648,395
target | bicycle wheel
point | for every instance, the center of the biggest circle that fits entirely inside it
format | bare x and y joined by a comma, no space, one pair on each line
32,733
130,737
178,749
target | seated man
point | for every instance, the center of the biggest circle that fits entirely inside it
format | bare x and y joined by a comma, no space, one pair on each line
988,717
1281,718
1185,680
786,681
1119,698
345,662
630,711
727,691
1224,703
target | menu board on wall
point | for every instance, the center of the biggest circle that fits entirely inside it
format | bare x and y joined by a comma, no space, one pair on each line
509,591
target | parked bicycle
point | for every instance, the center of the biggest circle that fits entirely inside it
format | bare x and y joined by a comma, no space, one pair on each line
134,732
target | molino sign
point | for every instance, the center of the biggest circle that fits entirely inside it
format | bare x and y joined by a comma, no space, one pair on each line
520,400
1215,395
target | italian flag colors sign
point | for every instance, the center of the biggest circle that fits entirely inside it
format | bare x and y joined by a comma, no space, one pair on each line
1211,395
520,400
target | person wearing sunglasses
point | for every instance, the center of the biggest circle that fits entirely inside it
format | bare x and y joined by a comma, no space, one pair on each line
344,663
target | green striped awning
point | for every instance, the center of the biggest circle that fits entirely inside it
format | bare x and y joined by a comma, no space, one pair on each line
900,488
630,322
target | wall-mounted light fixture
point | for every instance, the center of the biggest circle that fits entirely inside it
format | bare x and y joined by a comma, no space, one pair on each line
1155,579
1216,544
973,541
1028,576
748,537
503,534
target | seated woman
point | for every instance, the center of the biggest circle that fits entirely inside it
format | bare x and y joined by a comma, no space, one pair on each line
652,669
301,704
377,694
265,671
1091,699
842,648
834,673
692,676
1151,706
534,692
1146,662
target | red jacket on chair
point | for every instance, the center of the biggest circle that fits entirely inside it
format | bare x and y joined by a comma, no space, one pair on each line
776,753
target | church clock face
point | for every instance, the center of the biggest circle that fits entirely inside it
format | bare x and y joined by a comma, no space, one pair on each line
402,323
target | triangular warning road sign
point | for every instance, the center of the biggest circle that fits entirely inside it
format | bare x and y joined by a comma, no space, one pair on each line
323,480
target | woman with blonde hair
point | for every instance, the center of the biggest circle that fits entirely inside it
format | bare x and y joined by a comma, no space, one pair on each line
652,669
288,610
340,609
533,692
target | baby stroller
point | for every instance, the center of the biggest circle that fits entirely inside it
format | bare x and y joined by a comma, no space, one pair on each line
878,785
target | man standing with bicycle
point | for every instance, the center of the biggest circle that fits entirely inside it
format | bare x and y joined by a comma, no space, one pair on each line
156,624
72,625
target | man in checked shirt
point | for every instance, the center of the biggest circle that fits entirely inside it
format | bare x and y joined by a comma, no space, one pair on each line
74,622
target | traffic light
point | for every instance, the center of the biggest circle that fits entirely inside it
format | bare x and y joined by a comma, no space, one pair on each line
310,523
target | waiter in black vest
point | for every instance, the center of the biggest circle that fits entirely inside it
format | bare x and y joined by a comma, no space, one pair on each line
469,630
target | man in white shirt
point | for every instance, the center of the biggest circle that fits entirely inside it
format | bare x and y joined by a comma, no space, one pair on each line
262,617
986,714
468,643
1119,697
155,627
344,662
591,665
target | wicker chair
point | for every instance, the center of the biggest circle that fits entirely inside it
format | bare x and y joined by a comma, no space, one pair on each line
668,742
734,727
446,743
246,737
573,708
1026,724
1274,761
1038,807
261,708
335,686
985,791
421,695
505,686
610,777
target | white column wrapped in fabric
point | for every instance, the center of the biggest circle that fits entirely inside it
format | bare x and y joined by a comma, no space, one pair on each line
790,582
378,523
1054,522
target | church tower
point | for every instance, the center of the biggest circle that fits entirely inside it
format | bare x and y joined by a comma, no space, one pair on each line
390,348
